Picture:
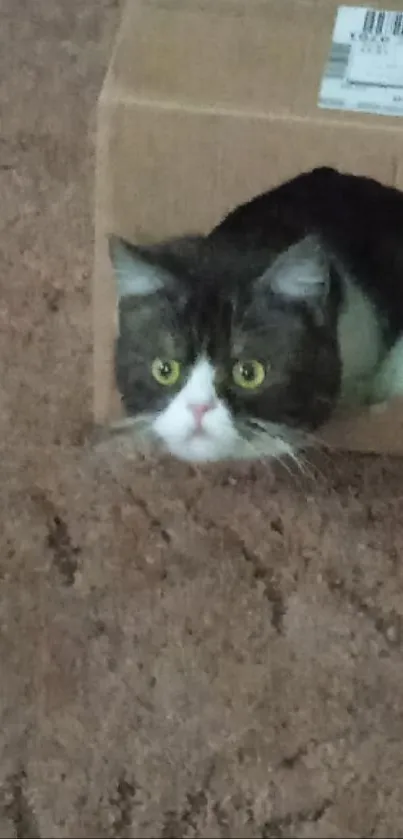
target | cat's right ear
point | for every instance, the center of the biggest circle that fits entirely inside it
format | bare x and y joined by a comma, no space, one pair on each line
136,275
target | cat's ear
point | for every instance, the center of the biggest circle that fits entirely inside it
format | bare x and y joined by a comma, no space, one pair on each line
136,273
301,273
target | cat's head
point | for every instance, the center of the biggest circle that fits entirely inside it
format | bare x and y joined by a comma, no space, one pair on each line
225,354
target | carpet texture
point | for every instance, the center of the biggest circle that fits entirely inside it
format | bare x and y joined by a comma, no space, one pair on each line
183,653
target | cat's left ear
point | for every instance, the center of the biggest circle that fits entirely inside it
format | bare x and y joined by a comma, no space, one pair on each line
300,274
137,273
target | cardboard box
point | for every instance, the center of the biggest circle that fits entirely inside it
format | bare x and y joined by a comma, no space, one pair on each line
207,103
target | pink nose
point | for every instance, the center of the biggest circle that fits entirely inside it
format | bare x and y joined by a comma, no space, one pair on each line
200,410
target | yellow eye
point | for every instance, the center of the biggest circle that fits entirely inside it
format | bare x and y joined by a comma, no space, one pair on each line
166,371
248,374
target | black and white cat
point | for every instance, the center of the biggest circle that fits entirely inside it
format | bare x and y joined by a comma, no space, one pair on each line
236,344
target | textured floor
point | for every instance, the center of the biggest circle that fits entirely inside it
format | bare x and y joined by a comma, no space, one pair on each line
182,654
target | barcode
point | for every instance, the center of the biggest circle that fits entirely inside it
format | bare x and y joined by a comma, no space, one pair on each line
364,66
337,63
383,23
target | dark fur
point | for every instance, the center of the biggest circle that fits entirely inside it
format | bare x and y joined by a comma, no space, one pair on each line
358,218
213,303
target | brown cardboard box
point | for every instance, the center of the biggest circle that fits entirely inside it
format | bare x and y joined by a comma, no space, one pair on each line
207,103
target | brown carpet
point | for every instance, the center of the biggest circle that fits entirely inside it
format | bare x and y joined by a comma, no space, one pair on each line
182,654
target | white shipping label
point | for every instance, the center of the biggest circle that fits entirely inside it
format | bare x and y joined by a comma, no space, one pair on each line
364,71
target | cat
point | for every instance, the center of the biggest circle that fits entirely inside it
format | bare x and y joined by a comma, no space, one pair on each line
241,343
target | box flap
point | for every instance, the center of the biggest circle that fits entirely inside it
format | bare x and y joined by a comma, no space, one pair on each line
263,57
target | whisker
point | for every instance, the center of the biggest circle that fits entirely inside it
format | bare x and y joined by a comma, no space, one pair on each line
302,468
129,424
294,474
126,427
282,461
305,467
295,441
298,461
314,440
123,425
315,443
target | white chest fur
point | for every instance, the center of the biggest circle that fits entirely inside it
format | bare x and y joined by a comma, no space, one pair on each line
361,345
388,381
